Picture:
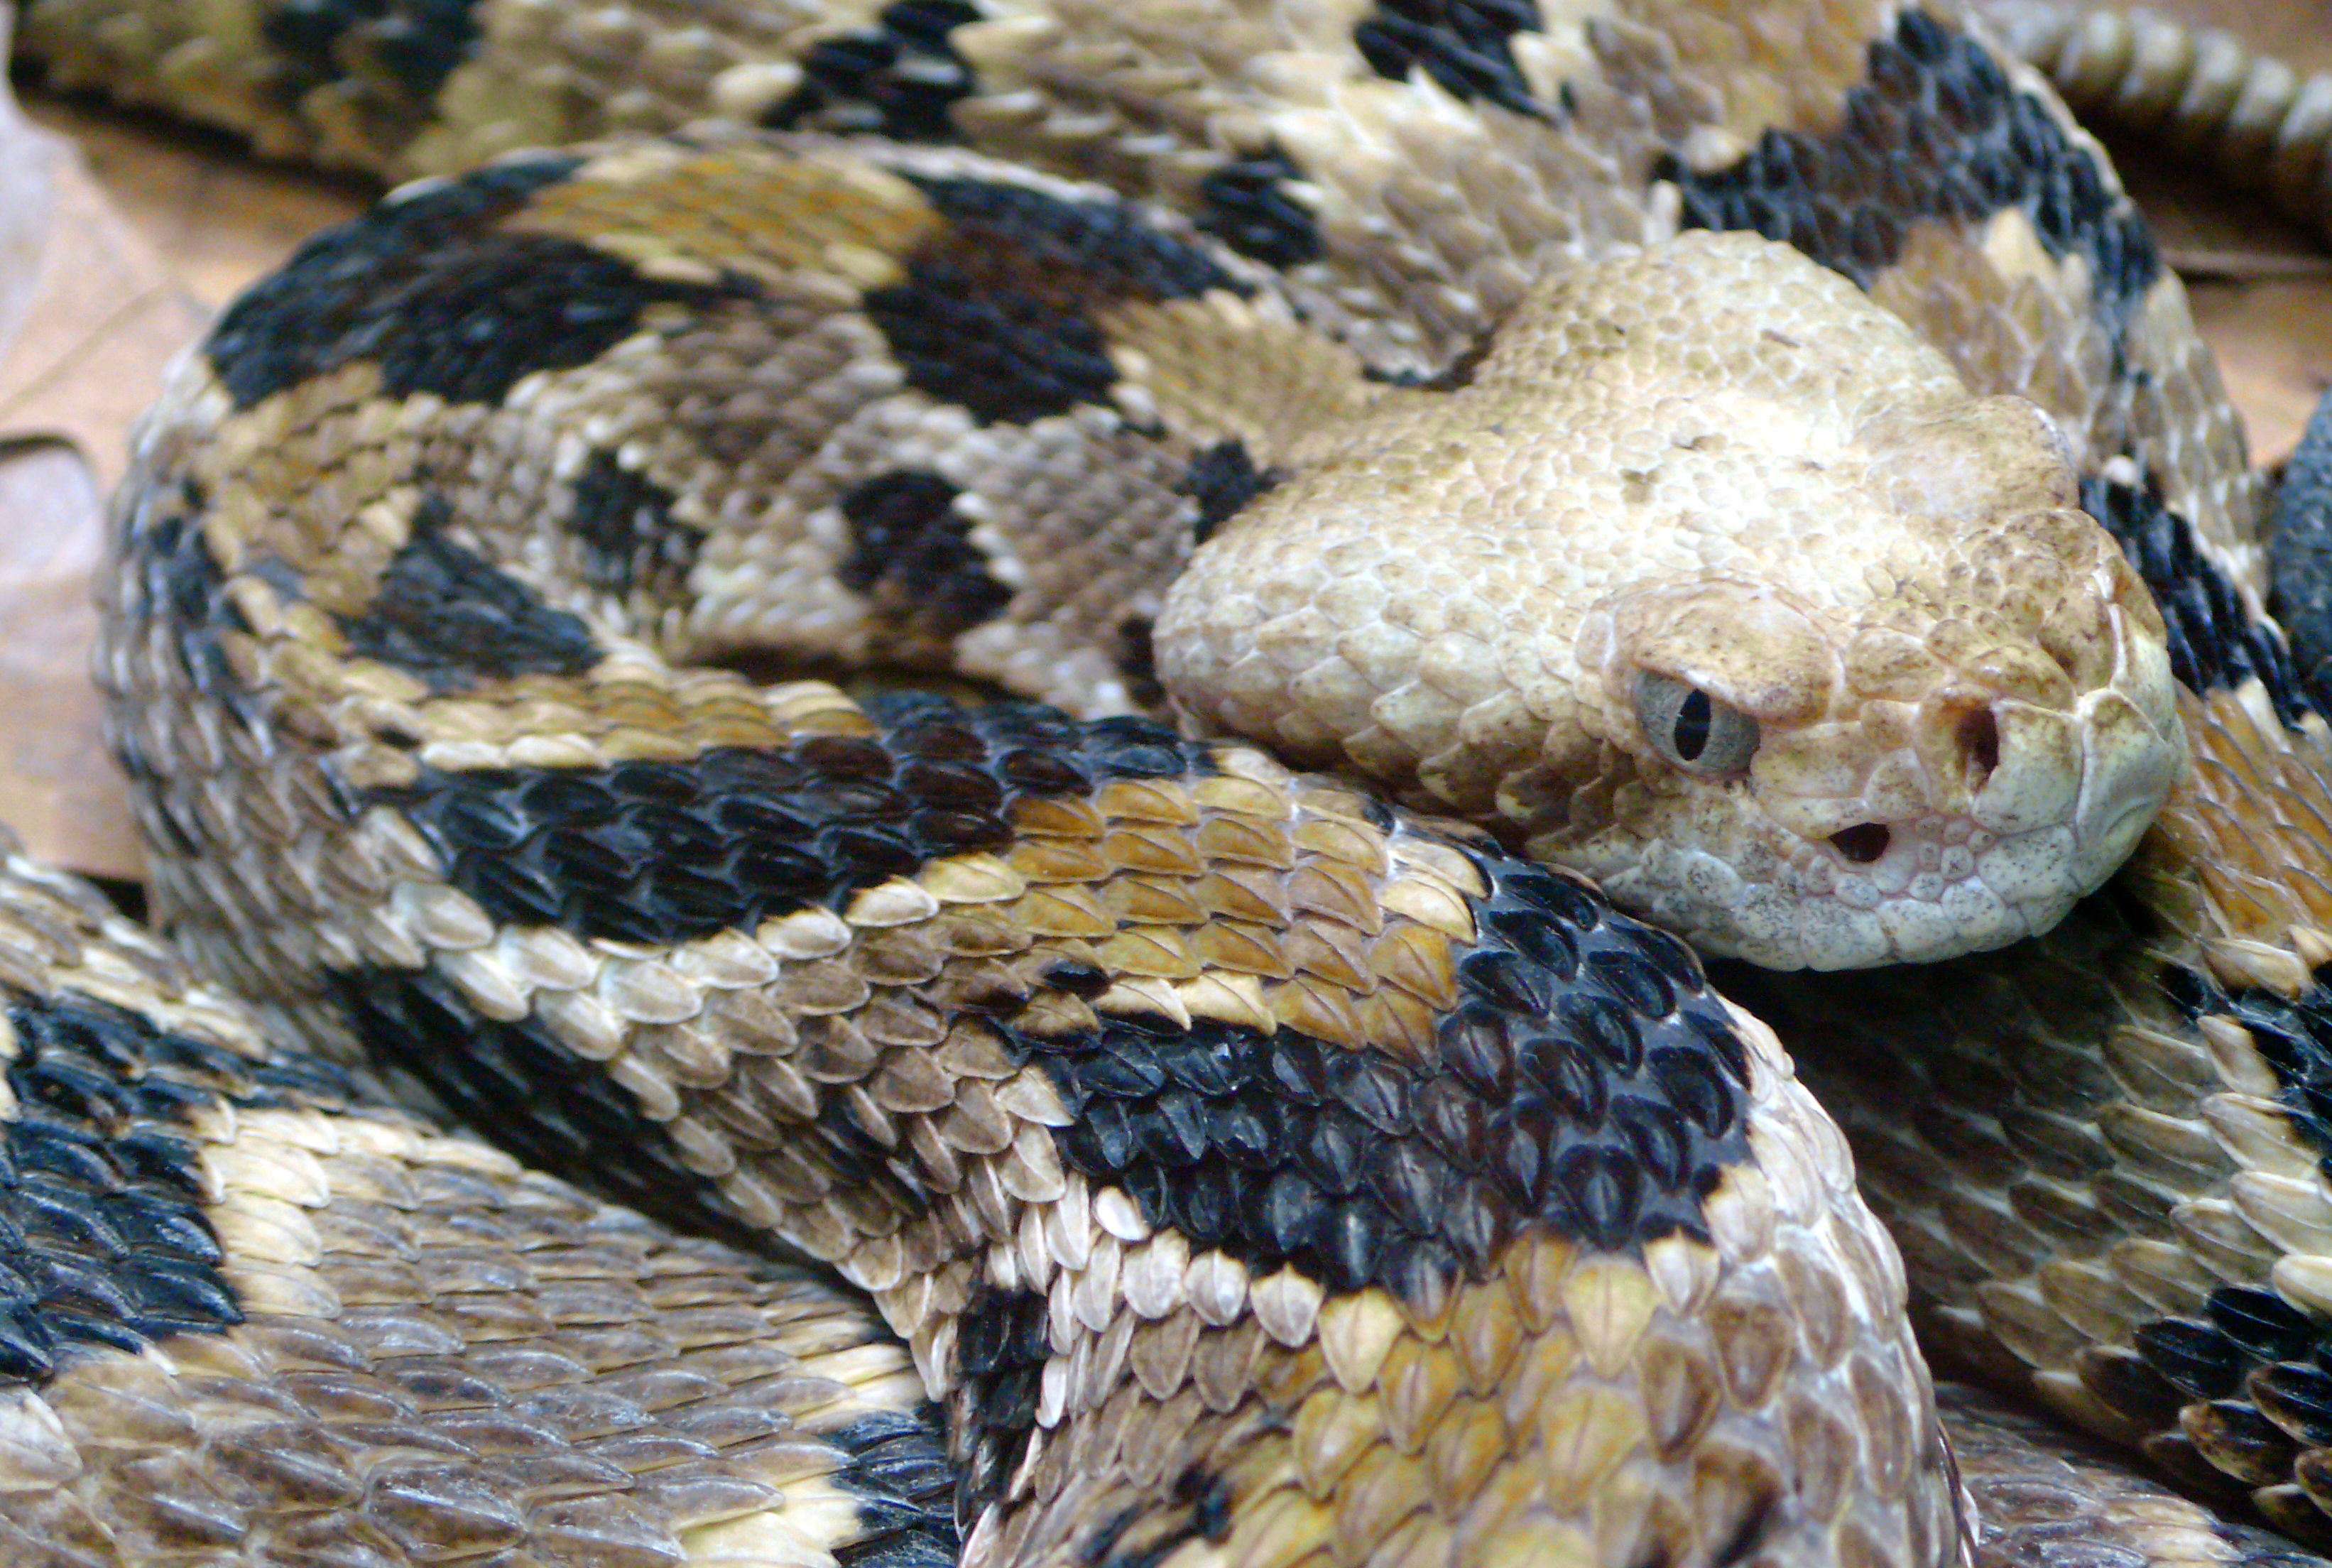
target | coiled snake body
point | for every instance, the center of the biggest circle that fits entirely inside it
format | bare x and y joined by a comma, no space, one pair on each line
1254,1166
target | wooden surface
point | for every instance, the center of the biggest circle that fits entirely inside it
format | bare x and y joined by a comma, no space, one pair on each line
120,235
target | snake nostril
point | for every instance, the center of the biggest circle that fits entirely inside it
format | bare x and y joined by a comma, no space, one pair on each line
1862,842
1978,734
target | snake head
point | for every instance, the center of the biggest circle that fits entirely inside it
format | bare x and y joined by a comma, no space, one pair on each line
1945,774
1718,584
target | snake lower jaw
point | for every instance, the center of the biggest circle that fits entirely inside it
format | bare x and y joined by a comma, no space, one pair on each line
1786,925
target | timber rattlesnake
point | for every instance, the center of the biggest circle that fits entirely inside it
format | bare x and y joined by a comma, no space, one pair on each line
1255,1172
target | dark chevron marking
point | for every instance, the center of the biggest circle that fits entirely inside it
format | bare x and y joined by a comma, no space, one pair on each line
517,1085
898,79
1001,1344
1242,204
2299,540
1586,1085
630,540
449,615
2216,644
664,851
411,44
912,553
426,288
1936,102
899,1471
1462,45
1223,479
104,1241
996,312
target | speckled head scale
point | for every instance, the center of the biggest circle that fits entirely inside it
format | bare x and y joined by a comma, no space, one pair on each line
1714,583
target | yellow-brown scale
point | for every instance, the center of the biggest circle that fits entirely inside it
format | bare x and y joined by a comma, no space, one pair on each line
340,816
272,1320
858,1081
873,1074
1020,385
1425,209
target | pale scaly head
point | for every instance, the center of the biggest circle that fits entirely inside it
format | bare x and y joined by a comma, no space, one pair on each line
1713,582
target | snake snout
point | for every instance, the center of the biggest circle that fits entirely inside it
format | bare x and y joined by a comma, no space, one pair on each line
1978,814
1970,747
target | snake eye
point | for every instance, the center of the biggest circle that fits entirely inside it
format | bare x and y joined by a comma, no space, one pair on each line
1693,730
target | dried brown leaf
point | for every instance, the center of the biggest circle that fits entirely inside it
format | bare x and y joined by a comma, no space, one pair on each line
2262,286
87,318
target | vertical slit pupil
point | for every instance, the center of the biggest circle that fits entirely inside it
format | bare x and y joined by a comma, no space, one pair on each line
1692,726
